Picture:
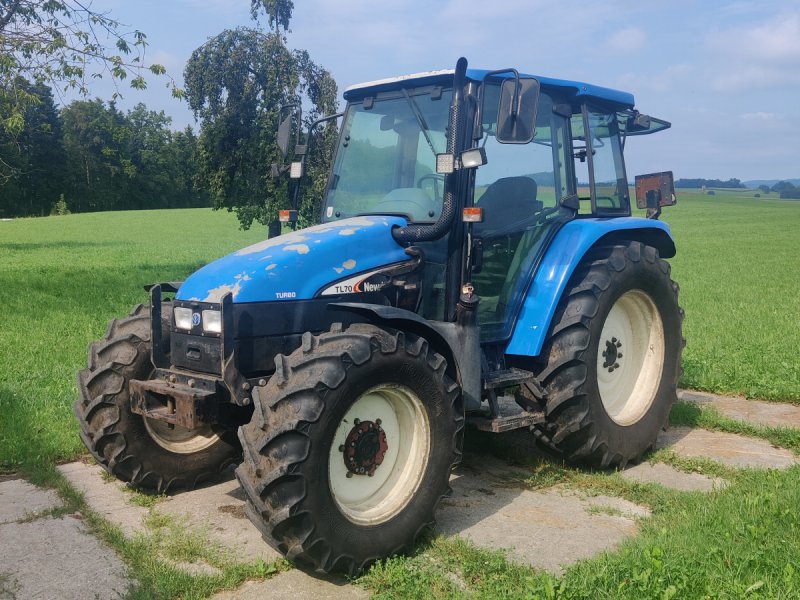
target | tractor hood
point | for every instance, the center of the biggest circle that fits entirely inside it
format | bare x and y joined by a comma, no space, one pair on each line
297,265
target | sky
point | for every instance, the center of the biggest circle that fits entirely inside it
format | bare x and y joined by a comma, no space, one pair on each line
725,74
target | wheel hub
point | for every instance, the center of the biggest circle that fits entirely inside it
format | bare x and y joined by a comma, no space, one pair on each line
612,354
364,448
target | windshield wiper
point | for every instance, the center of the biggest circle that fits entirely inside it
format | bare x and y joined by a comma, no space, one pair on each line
420,120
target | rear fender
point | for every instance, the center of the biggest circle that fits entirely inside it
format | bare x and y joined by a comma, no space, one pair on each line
565,253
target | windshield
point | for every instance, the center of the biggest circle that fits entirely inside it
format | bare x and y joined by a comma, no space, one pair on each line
386,160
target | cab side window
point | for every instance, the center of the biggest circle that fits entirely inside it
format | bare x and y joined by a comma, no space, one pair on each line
600,180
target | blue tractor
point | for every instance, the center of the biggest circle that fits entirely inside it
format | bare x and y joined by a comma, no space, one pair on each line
476,263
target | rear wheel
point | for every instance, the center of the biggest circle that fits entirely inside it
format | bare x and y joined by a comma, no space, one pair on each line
350,447
611,361
148,453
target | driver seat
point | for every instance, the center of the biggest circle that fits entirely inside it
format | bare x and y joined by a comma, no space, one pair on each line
505,202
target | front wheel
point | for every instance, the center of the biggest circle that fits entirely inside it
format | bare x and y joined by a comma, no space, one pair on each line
611,362
350,447
148,453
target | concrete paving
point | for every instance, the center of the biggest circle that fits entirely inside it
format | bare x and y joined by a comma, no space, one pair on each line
548,529
771,414
107,498
45,557
294,585
730,449
672,478
22,500
218,509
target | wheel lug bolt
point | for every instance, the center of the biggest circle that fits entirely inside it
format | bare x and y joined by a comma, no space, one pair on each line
616,365
356,421
349,474
377,421
341,448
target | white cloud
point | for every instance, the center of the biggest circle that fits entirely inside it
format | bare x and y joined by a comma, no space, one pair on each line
625,40
763,55
671,79
758,116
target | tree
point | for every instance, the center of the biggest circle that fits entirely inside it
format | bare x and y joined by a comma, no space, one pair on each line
61,41
100,170
32,170
236,84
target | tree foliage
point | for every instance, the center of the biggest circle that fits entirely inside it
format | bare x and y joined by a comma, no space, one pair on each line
67,43
787,190
90,156
711,183
236,84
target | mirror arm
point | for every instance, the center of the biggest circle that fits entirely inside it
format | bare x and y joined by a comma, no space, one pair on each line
515,103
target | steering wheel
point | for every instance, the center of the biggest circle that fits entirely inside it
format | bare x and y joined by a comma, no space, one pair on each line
436,178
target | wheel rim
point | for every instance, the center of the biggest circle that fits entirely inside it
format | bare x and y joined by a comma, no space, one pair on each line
178,439
386,431
630,357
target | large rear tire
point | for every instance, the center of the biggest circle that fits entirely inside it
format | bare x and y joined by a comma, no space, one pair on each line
145,452
612,358
350,447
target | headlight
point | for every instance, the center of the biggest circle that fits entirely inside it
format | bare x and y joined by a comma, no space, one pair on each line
212,321
183,317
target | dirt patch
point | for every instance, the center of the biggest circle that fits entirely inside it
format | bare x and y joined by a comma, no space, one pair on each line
235,510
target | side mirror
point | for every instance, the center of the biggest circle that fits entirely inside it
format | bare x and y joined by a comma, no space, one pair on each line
387,122
293,112
284,131
655,190
516,114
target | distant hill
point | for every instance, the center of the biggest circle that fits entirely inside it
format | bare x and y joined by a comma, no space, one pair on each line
754,183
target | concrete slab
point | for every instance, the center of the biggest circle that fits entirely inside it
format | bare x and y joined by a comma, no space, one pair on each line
672,478
771,414
107,498
21,500
548,529
730,449
219,509
292,585
58,558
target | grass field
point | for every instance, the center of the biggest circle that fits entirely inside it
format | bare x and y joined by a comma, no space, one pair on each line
738,266
63,278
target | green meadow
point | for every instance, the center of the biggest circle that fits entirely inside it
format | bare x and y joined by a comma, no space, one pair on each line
63,278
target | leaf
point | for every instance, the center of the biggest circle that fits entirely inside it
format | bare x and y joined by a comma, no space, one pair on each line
756,586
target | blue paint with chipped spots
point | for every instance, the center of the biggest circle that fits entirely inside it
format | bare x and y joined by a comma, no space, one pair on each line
559,262
296,265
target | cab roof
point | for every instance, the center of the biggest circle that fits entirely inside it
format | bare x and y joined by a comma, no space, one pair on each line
574,89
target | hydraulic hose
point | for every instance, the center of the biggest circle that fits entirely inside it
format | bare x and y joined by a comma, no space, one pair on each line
425,233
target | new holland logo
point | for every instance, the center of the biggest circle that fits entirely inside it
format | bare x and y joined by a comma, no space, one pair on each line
195,319
366,286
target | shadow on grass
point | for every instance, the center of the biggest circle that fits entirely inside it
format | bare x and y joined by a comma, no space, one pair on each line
685,413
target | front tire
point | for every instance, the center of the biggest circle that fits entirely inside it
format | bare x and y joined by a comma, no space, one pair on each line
611,361
145,452
350,447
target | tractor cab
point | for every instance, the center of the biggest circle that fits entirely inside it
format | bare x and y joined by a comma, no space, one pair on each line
567,164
